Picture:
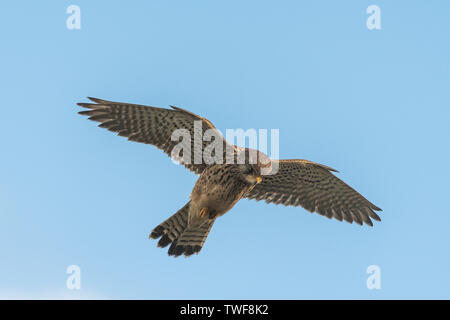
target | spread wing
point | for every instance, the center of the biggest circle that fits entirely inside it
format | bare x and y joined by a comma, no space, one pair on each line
155,126
315,188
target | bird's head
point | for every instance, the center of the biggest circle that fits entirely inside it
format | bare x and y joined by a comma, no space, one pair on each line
250,173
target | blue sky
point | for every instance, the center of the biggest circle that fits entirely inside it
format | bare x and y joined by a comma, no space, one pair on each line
373,104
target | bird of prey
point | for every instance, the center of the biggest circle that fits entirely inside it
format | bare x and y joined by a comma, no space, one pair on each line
222,184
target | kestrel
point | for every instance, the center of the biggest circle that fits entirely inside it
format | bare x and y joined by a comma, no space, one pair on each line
221,184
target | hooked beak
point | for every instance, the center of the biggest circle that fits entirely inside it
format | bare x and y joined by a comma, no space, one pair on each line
252,179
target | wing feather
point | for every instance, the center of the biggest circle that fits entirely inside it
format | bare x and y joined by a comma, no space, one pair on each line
315,188
153,126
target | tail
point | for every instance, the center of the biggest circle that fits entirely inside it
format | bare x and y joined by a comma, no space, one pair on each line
184,240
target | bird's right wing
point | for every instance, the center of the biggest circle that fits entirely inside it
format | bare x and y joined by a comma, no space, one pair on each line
155,126
315,188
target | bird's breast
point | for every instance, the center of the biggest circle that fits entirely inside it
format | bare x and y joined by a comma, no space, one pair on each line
217,190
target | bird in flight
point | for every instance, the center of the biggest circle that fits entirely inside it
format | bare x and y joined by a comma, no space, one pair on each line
223,183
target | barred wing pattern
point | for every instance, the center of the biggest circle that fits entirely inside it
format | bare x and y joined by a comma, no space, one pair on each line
315,188
153,125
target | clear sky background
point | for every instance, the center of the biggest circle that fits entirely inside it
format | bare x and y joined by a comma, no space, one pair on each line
374,104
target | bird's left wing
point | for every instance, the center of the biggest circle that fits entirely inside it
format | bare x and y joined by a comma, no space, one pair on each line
315,188
155,126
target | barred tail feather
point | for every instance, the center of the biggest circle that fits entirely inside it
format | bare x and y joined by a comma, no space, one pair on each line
183,239
191,240
172,228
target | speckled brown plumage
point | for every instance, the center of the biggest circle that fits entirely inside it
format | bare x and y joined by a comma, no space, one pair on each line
220,186
149,125
315,188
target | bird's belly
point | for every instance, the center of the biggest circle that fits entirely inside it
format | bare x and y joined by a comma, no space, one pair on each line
216,198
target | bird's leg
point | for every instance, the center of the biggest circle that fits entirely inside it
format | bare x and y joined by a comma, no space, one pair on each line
206,213
203,212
